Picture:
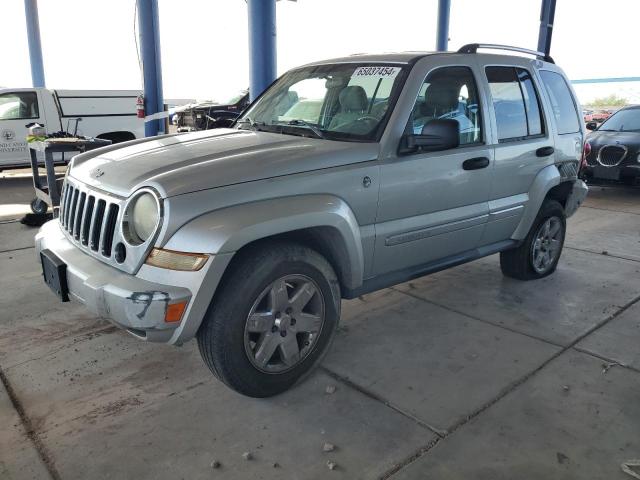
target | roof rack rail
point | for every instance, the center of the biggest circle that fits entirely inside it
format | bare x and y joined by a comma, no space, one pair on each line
473,48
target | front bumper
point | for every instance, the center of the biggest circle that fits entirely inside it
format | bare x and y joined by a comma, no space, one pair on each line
134,303
622,171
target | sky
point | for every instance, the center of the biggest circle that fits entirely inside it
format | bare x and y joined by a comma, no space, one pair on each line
90,44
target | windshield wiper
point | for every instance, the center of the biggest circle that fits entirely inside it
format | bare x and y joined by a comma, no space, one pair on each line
302,123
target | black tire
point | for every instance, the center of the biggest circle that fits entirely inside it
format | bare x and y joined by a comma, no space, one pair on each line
221,337
39,207
518,262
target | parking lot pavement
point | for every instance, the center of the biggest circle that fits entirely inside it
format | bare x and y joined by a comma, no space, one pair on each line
15,236
179,435
434,364
570,421
619,340
616,199
585,290
591,231
18,455
464,374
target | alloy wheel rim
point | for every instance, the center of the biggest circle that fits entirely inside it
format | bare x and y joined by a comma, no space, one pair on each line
284,323
546,245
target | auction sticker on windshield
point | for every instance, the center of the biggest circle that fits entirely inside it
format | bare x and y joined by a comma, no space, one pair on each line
373,71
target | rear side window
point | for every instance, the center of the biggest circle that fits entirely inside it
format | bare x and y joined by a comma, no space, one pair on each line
515,102
564,108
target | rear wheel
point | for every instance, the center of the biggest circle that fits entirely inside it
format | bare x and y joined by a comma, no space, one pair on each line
539,253
273,319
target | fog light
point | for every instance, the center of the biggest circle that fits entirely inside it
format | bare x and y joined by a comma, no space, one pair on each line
121,252
174,311
172,260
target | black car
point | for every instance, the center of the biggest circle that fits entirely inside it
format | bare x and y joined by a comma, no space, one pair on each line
207,115
612,150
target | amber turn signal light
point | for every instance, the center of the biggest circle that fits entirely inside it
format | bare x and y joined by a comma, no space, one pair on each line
172,260
174,311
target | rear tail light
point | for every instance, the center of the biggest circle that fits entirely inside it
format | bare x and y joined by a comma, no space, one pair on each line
586,151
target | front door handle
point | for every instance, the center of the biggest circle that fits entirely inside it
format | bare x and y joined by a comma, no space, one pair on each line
544,151
476,163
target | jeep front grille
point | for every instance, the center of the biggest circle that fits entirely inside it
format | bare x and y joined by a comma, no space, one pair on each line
89,218
611,155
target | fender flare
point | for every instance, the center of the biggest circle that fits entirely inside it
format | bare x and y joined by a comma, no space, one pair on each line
546,179
229,229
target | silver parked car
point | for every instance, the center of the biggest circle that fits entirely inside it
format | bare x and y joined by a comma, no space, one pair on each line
346,176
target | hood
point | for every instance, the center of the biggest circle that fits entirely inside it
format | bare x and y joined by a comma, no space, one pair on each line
628,139
200,105
178,164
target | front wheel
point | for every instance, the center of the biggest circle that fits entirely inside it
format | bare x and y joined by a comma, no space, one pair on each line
272,320
539,253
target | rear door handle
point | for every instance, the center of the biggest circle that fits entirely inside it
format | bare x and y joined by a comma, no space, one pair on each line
544,151
476,163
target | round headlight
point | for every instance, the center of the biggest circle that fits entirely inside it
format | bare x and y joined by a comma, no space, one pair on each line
143,217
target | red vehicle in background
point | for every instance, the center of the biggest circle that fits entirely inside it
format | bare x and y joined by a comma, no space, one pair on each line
596,116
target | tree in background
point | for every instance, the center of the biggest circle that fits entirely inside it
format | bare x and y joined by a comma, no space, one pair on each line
611,101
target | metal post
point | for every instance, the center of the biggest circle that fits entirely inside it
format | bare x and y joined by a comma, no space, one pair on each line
547,14
262,45
442,37
35,47
149,30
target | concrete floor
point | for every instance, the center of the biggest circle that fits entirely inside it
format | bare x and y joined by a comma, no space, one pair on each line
461,375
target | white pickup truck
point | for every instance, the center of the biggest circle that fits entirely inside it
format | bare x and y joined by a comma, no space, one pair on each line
108,114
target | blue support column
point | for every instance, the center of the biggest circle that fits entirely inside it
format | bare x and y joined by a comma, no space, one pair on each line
262,45
35,47
149,30
547,15
442,38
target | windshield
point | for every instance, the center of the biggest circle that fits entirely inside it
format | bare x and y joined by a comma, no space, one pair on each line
623,121
340,102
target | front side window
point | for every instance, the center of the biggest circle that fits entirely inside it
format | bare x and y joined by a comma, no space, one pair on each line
449,93
564,108
19,106
515,103
340,102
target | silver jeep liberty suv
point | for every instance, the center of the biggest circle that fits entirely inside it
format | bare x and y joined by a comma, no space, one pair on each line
346,176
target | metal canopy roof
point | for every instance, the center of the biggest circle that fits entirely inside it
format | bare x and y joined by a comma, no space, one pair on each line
262,48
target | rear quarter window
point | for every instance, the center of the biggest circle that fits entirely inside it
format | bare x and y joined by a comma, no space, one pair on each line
562,103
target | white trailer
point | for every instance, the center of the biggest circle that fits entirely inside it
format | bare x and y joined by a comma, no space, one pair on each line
108,114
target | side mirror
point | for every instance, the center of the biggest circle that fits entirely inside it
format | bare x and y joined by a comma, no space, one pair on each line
437,135
592,125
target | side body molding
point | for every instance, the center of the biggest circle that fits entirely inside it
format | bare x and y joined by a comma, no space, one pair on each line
546,179
229,229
